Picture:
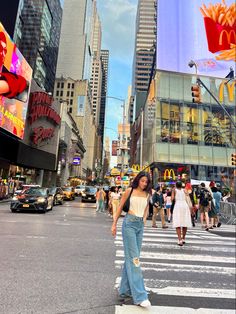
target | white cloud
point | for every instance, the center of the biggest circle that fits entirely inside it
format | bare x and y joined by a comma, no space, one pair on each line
118,27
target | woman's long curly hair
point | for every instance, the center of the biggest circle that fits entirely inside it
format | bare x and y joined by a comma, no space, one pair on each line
142,174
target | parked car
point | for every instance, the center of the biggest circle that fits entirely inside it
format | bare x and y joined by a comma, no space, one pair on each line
79,189
69,193
38,199
58,195
89,194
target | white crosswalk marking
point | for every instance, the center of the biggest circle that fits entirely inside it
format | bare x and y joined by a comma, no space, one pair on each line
203,270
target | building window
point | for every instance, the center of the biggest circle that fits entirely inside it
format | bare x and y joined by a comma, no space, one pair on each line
68,94
68,85
71,101
70,110
58,84
61,94
62,85
72,85
72,94
57,93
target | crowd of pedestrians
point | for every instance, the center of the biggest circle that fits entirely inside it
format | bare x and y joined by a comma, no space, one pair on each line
180,204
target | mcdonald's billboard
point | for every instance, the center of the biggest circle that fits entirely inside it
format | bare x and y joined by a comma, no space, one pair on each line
199,30
169,174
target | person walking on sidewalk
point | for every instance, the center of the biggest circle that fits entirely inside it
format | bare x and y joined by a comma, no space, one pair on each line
217,197
115,200
158,207
181,213
205,198
132,283
168,203
100,198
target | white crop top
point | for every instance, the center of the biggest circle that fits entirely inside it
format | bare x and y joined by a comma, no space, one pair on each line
138,205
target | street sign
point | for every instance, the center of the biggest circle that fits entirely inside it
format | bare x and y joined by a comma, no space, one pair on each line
76,161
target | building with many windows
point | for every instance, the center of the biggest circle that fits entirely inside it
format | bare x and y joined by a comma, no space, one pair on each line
37,33
195,140
145,45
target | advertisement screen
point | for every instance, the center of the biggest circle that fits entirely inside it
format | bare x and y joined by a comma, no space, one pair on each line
15,79
114,148
198,30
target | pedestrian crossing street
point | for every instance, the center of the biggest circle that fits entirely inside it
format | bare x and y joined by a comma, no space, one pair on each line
196,278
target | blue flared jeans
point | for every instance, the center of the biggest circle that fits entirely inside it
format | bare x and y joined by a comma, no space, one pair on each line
132,283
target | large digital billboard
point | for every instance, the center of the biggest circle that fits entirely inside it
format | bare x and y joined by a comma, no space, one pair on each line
15,79
198,30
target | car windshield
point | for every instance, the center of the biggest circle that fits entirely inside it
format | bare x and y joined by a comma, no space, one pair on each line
67,189
90,189
52,190
35,191
80,187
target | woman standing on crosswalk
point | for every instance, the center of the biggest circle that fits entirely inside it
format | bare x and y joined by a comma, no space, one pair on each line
132,283
181,213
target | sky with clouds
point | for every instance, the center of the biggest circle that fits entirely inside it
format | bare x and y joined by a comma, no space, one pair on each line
118,36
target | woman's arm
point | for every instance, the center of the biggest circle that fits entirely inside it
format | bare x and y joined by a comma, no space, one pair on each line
119,210
173,195
146,211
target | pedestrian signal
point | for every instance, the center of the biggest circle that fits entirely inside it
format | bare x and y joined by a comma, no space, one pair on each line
196,93
233,159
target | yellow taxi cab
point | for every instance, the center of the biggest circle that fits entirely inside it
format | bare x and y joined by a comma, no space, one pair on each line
68,193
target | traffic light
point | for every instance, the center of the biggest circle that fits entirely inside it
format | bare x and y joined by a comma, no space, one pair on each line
233,159
196,93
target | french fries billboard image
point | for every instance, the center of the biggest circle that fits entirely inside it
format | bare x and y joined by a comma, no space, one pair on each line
220,27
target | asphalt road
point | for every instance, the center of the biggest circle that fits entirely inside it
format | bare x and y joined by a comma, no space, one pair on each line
66,261
56,263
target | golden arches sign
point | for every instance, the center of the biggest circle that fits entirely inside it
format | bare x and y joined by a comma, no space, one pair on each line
230,36
169,173
230,86
137,167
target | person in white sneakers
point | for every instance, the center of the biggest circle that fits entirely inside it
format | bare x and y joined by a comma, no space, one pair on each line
132,284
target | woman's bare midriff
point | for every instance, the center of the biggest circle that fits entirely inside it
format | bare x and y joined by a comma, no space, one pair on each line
130,212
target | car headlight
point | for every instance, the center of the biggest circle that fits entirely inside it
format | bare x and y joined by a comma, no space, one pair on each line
15,198
41,200
83,194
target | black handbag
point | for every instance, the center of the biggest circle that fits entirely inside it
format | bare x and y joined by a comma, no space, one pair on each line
127,203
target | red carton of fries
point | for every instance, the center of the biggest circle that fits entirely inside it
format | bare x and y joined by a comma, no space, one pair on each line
219,37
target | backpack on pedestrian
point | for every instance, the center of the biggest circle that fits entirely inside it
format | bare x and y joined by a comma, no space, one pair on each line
205,198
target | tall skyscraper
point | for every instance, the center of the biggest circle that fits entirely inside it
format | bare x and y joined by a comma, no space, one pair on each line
75,50
105,67
37,34
145,43
96,75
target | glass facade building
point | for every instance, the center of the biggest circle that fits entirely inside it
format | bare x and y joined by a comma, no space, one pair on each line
178,133
37,34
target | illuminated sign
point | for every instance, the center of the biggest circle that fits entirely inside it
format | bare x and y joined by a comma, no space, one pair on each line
230,87
76,161
15,80
169,174
199,30
137,167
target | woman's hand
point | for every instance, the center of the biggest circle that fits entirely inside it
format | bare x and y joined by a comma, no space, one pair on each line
113,229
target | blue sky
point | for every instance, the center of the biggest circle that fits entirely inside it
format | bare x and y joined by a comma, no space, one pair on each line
118,36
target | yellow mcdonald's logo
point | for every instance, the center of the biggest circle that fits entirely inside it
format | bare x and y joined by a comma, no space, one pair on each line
136,167
230,87
230,36
169,173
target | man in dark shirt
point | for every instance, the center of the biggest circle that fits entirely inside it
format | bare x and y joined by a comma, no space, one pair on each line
158,207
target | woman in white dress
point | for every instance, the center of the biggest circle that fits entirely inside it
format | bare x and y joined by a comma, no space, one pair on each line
181,213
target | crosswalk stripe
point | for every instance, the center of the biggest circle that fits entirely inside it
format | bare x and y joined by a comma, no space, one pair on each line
133,309
186,257
172,245
200,241
183,267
